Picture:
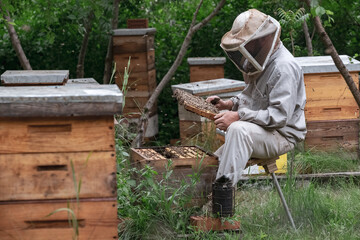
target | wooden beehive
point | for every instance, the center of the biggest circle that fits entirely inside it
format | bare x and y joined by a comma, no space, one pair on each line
186,160
327,94
333,134
53,138
137,23
191,124
138,46
331,111
206,68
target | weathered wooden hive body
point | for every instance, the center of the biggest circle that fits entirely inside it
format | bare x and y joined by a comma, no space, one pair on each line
331,112
138,46
57,146
206,68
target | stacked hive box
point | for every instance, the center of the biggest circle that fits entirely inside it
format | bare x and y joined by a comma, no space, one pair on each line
191,124
331,112
138,45
57,146
206,68
137,23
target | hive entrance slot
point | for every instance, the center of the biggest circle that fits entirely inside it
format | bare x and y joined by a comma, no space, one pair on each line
333,138
41,168
53,224
49,128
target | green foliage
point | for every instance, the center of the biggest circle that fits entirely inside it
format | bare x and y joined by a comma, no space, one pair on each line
292,21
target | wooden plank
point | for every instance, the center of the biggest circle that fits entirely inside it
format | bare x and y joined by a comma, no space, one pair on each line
30,220
63,134
331,110
206,72
50,175
331,135
132,44
311,176
139,81
63,109
140,62
328,86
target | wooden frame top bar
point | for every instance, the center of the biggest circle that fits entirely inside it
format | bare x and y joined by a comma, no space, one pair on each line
325,64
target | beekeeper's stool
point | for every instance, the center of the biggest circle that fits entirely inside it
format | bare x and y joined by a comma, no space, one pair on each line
269,165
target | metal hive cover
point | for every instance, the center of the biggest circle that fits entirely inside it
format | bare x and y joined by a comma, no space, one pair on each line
325,64
34,77
203,87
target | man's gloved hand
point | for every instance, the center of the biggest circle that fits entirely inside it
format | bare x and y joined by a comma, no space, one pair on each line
219,103
224,119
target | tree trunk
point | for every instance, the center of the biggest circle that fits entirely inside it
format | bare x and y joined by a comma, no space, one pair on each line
84,45
307,38
335,56
15,40
292,43
165,80
109,53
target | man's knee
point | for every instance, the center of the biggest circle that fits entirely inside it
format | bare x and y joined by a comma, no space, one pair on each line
240,127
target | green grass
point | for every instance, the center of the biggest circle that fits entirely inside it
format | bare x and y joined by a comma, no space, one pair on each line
325,162
330,211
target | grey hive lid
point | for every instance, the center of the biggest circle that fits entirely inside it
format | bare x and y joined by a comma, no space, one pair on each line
213,86
134,31
325,64
34,77
72,100
81,81
206,60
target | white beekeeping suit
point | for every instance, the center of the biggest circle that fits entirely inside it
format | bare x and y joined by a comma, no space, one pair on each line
271,108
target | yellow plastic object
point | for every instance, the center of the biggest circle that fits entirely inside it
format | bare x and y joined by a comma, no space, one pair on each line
281,164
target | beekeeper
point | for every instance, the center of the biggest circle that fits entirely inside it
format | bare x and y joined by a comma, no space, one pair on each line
267,118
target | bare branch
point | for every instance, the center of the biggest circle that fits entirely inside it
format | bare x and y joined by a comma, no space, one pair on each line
196,13
208,18
307,38
15,40
165,80
109,53
335,56
81,59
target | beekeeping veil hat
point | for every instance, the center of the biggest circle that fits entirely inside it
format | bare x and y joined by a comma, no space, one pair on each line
251,41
